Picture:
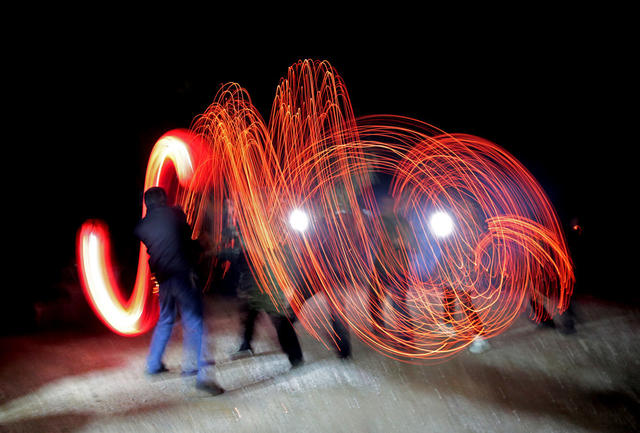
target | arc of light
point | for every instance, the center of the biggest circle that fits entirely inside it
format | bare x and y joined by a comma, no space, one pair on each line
139,313
508,242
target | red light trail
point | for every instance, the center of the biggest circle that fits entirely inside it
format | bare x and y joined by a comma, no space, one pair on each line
139,313
470,237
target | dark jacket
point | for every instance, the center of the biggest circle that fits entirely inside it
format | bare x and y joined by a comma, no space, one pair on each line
248,289
167,236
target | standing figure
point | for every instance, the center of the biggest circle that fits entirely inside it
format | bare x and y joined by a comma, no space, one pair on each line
166,234
392,268
253,301
339,332
478,344
459,212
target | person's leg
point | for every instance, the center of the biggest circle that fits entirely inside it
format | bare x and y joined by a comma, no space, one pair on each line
249,317
567,321
376,310
470,312
538,313
447,325
448,304
479,344
287,338
191,310
403,325
164,326
340,335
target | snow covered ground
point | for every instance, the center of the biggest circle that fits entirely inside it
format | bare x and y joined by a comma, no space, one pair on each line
532,380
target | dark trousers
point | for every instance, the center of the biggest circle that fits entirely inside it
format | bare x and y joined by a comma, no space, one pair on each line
340,332
537,310
398,304
466,305
285,331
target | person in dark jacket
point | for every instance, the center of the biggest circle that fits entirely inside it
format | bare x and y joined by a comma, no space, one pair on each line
166,234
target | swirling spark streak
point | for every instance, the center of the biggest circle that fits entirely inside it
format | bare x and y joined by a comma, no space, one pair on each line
407,289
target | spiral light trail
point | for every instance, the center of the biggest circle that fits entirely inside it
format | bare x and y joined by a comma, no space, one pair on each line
454,248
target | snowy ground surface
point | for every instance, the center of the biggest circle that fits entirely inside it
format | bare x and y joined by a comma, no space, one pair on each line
532,380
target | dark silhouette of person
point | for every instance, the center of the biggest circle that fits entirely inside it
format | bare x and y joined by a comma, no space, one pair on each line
472,220
537,311
166,234
339,330
479,344
392,268
253,301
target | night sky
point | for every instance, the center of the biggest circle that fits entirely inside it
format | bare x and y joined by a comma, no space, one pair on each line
97,107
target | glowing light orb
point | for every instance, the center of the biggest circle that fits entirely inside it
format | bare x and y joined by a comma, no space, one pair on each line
299,220
441,224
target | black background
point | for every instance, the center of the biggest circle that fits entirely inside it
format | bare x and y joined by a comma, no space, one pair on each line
90,105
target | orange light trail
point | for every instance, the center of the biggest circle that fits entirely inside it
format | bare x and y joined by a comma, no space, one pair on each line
405,289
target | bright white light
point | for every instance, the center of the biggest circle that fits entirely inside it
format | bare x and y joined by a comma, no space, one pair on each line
299,220
441,224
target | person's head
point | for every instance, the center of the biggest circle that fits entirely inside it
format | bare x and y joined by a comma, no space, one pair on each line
154,197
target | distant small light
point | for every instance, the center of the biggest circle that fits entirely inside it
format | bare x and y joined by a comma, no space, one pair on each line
441,224
299,220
